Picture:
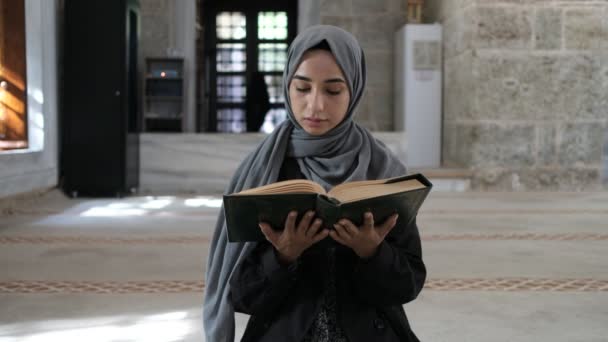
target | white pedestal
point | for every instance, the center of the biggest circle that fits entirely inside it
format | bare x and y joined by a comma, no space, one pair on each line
418,65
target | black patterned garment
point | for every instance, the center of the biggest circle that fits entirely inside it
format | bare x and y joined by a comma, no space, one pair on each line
325,327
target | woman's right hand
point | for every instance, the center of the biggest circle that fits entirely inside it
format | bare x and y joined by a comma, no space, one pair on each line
293,241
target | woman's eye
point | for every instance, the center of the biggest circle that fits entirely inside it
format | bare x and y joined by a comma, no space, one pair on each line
303,90
331,92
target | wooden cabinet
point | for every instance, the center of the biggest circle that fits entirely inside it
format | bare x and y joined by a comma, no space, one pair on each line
163,101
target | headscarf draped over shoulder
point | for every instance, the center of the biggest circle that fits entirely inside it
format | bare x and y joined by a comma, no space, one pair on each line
346,153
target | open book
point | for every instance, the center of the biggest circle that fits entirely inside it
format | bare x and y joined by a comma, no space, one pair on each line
272,203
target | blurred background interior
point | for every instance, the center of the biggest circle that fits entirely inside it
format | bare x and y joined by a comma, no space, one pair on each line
122,121
107,99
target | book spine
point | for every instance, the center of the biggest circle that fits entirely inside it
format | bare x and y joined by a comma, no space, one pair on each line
328,211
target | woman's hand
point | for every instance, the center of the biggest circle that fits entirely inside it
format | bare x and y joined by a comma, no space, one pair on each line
365,239
293,241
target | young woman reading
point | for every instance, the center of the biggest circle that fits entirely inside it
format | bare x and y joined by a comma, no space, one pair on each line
293,289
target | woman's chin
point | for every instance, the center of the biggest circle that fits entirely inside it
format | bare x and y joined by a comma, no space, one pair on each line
316,130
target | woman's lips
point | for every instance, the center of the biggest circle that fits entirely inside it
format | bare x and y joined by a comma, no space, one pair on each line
313,122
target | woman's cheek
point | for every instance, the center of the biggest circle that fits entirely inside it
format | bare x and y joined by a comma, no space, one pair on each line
300,105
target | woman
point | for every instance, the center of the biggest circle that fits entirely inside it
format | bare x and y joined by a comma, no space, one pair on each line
294,288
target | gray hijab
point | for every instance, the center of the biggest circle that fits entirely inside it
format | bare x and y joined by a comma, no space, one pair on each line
346,153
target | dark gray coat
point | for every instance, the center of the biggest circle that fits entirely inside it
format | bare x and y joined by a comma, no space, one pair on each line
283,300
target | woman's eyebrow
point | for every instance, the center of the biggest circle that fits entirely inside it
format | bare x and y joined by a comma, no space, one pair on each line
331,80
303,78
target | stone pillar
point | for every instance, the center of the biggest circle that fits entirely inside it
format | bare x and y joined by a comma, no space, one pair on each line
183,39
374,23
308,13
525,100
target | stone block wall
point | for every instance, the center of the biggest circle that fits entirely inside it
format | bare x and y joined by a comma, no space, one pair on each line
526,92
155,30
374,23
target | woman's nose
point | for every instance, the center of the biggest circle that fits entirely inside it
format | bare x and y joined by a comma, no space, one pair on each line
317,101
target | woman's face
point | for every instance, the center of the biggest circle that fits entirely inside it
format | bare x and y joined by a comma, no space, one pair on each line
318,93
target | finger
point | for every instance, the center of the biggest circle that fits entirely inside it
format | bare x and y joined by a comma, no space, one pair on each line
368,221
268,232
290,222
388,225
350,227
334,235
305,222
314,228
342,233
320,236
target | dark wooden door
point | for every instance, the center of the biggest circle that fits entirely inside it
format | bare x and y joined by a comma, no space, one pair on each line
100,137
246,49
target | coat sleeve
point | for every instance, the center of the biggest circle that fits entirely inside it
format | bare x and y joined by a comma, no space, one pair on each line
394,275
260,283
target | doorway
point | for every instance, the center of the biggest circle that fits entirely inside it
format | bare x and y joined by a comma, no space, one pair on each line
246,50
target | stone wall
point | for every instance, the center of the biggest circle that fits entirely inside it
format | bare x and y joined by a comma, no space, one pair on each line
154,36
374,24
525,92
168,27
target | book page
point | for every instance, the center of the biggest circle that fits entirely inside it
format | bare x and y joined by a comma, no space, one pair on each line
286,187
355,191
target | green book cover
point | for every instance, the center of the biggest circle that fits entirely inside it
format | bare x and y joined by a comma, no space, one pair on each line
244,211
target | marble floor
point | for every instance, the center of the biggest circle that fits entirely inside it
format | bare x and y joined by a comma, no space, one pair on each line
502,267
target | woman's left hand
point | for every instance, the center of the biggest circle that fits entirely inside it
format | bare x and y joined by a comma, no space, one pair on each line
364,240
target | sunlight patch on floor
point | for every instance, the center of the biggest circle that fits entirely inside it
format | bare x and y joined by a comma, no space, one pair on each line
148,206
166,327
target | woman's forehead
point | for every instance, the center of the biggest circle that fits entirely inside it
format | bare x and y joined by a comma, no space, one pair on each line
316,64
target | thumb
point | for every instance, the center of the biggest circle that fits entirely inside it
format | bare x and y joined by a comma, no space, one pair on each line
388,226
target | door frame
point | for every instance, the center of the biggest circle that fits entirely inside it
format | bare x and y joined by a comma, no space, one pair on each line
210,9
